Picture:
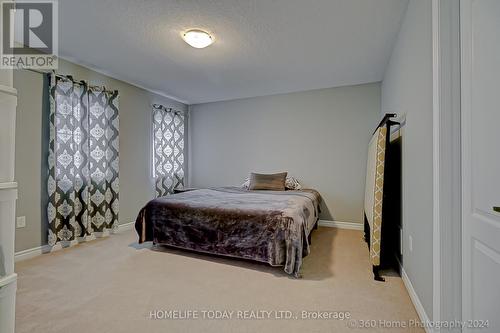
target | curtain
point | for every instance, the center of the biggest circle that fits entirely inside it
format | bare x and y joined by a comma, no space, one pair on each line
83,181
168,147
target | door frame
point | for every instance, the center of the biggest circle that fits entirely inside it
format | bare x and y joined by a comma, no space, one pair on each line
447,235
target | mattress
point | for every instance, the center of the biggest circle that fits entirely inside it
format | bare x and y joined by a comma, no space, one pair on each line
374,191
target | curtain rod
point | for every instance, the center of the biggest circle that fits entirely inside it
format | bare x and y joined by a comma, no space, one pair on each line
65,77
161,107
387,120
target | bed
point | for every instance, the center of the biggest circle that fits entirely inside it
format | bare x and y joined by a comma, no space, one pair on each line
273,227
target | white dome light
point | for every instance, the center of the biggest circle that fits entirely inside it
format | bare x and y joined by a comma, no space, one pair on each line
197,38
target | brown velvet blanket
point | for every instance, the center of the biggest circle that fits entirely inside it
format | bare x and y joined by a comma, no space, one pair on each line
266,226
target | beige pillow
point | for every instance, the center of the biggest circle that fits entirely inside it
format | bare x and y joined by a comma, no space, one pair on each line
273,182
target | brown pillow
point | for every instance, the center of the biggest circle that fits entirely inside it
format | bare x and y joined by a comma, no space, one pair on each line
273,182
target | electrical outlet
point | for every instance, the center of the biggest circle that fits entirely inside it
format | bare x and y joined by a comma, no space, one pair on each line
21,222
410,243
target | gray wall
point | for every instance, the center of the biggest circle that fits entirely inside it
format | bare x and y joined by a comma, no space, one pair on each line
320,137
407,89
135,123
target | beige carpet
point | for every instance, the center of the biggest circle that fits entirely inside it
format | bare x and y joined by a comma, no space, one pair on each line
113,285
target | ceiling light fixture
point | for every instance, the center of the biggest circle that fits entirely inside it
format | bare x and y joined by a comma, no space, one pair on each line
197,38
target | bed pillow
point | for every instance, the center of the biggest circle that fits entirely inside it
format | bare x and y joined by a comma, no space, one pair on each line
291,183
272,182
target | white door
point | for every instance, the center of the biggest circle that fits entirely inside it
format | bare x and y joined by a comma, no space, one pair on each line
480,88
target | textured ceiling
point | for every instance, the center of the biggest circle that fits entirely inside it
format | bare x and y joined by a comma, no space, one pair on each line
262,47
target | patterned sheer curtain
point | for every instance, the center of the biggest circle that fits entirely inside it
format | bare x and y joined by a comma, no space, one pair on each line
168,146
83,180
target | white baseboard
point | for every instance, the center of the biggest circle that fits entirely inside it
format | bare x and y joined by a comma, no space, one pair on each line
6,280
125,226
415,300
39,250
36,251
341,225
409,287
30,253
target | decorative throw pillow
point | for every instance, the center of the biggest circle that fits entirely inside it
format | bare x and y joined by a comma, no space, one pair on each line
246,184
291,183
273,182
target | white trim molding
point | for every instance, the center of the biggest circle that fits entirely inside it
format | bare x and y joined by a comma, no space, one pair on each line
436,81
8,90
6,280
31,253
9,185
416,301
446,160
341,225
8,197
125,226
39,250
